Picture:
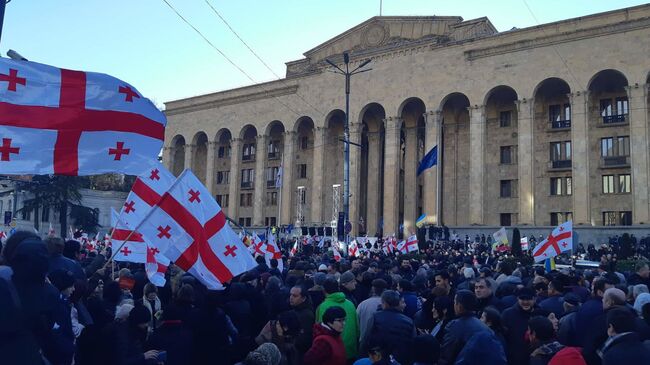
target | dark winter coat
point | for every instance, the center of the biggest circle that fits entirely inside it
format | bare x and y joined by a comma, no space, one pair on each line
482,348
306,317
543,354
458,332
176,339
515,321
395,330
626,349
60,262
553,304
413,303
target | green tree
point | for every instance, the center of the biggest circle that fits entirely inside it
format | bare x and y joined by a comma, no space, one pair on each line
59,193
516,243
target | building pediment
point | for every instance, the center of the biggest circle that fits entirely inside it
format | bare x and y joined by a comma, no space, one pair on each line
383,34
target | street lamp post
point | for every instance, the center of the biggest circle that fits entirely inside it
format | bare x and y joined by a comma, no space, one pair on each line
346,132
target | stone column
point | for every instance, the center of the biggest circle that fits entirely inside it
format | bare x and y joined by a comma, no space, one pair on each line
355,166
168,157
235,177
288,169
209,170
320,139
476,163
580,157
260,181
639,149
433,120
374,194
391,176
410,181
525,160
189,156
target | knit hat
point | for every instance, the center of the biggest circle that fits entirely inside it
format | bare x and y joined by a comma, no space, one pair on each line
322,267
319,278
61,279
468,273
346,277
266,354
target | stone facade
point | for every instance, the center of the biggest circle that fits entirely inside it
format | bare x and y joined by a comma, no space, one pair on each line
535,126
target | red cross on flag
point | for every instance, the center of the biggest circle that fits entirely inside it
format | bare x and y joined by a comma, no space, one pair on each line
64,122
336,253
133,248
273,252
145,193
294,249
353,248
412,244
560,240
196,237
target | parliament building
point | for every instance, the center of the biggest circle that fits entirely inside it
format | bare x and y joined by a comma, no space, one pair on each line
534,127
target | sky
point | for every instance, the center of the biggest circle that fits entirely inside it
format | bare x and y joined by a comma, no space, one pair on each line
145,43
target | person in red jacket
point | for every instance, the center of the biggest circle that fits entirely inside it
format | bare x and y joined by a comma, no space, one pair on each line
327,347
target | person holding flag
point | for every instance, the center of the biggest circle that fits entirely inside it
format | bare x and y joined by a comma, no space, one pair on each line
559,241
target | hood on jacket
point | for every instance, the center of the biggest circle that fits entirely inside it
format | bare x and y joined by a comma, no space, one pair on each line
337,297
29,262
319,329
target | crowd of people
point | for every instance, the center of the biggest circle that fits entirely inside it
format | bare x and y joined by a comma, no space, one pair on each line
453,302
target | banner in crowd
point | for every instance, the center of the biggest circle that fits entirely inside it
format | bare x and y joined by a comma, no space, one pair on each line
560,240
64,122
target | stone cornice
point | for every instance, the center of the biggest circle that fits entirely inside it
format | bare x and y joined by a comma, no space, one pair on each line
222,98
553,39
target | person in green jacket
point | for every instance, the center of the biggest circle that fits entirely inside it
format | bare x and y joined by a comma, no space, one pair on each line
334,297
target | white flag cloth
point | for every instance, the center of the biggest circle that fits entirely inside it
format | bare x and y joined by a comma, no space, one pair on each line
134,248
278,178
189,227
412,244
353,248
294,249
560,240
145,193
273,252
500,236
401,247
336,253
64,122
524,243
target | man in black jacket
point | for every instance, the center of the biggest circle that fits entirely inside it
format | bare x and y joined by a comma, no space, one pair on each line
391,328
300,303
515,320
461,329
623,345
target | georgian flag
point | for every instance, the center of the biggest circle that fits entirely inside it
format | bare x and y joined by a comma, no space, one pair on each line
130,245
273,252
353,248
64,122
401,247
560,240
336,253
294,249
196,237
412,244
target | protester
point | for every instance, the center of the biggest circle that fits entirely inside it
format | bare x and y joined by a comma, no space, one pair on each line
328,347
334,297
392,328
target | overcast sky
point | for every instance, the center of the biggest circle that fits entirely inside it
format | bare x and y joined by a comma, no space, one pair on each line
146,44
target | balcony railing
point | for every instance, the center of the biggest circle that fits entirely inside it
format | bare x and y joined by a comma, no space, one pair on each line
270,184
561,164
613,119
273,155
246,185
559,124
615,161
248,157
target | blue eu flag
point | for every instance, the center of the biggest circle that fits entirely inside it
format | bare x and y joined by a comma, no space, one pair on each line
429,160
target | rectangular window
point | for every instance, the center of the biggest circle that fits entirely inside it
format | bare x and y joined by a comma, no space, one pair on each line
246,199
606,146
223,200
506,155
223,177
248,222
304,143
506,219
556,186
554,113
506,188
302,196
625,218
558,218
567,112
273,149
608,184
555,218
624,183
569,185
610,218
242,222
606,109
505,118
622,147
621,106
561,151
302,171
271,174
247,178
45,214
272,198
224,152
249,152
